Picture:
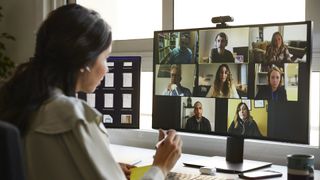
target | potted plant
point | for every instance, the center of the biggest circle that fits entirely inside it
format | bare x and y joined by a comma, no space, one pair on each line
6,64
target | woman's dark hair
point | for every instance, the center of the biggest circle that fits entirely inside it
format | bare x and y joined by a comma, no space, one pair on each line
225,89
70,38
236,117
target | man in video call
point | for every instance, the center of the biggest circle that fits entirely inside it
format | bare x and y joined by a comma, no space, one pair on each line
220,53
197,121
174,87
182,54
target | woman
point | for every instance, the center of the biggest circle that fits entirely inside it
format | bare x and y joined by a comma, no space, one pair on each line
220,53
277,51
243,123
63,136
274,91
223,86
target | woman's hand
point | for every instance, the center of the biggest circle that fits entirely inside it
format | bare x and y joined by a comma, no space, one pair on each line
168,151
126,169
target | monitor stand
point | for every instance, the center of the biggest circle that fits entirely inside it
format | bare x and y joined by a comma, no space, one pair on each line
233,162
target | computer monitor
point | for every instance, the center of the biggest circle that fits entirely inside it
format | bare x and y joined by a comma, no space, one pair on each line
248,81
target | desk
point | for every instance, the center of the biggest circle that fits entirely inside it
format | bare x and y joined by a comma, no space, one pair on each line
132,155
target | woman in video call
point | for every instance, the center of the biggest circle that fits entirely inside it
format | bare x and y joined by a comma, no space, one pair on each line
63,136
220,53
223,85
243,123
277,51
274,90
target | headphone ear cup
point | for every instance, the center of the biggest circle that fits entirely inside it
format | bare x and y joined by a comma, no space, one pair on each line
88,69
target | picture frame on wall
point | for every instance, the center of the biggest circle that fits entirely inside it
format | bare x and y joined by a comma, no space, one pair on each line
259,103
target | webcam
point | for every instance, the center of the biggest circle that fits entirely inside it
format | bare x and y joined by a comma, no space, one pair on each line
221,20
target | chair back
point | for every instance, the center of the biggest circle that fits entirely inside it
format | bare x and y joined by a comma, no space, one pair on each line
11,160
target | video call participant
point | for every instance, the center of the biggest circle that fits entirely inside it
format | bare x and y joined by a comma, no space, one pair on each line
197,121
182,54
274,90
63,136
223,85
277,51
174,87
243,123
220,53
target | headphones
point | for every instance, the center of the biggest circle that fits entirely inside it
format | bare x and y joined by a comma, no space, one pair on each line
86,68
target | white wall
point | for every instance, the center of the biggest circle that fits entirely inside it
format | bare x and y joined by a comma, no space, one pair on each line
20,22
312,13
22,19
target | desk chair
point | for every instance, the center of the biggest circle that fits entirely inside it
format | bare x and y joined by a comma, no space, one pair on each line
11,163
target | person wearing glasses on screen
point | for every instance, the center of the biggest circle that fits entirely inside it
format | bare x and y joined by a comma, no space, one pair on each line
223,85
243,123
277,51
182,54
174,87
220,53
198,122
64,137
274,90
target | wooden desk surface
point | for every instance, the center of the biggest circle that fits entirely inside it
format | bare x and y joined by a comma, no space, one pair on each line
143,156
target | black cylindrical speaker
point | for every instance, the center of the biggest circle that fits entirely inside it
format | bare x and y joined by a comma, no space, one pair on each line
234,152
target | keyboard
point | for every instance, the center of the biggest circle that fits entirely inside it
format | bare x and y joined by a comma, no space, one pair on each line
185,176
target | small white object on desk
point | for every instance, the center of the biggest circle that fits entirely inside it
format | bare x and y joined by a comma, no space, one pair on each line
208,170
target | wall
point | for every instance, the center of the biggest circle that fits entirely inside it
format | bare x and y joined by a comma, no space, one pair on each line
22,19
313,14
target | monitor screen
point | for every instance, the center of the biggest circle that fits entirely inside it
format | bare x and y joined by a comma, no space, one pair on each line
250,81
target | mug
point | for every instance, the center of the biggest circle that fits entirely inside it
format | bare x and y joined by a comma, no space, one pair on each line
300,166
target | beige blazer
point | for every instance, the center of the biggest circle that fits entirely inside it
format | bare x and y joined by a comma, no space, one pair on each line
67,140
